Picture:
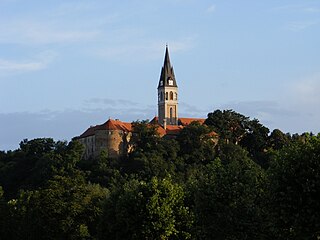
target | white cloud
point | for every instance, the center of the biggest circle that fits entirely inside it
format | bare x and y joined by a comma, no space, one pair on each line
295,8
39,62
150,49
189,110
298,10
109,102
8,1
37,32
62,125
211,8
67,8
312,9
264,110
288,115
300,25
306,91
20,66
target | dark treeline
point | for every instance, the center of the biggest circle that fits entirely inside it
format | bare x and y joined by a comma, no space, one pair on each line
247,184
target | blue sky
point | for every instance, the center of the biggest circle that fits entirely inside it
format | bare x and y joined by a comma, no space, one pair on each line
66,65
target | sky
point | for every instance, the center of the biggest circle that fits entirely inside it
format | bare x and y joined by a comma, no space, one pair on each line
67,65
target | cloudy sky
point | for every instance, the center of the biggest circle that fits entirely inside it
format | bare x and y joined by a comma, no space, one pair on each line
66,65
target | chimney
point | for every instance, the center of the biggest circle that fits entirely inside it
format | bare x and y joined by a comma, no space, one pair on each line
165,124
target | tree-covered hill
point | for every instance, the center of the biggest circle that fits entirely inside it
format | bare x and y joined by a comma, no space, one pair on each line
246,184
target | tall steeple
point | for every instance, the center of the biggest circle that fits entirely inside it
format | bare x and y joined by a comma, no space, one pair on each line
167,72
167,94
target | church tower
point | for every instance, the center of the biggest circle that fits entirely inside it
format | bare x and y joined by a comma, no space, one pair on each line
167,94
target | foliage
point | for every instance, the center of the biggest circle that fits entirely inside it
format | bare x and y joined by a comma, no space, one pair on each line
152,210
236,128
3,214
255,140
230,125
245,184
228,198
36,162
145,136
196,143
278,139
102,170
151,155
294,191
66,209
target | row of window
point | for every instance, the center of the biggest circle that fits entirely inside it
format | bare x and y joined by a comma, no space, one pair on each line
168,96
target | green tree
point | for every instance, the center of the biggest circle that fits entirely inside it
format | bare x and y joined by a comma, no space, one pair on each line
146,210
230,125
67,208
256,138
228,199
278,139
102,170
196,143
293,200
255,141
145,136
3,215
151,155
37,161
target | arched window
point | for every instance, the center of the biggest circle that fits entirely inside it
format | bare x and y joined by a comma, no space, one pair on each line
166,95
171,95
175,96
171,115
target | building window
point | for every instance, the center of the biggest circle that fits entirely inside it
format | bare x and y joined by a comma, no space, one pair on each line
175,96
166,95
171,95
161,96
171,115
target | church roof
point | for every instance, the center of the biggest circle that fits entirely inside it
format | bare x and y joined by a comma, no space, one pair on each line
187,121
89,132
112,124
154,120
173,129
167,77
108,125
127,127
116,125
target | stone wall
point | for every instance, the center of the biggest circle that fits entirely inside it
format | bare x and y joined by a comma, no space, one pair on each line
90,146
114,142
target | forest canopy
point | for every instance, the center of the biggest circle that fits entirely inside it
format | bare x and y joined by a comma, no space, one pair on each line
249,183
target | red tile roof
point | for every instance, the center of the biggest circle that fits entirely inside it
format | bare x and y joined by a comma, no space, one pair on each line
182,121
127,127
116,125
89,132
173,129
108,125
187,121
154,120
161,131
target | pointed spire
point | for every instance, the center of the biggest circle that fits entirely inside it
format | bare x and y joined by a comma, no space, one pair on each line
167,77
167,59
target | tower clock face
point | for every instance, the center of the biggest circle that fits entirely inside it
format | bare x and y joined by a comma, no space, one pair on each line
170,82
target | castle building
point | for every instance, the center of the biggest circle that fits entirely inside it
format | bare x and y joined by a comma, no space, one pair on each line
114,136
